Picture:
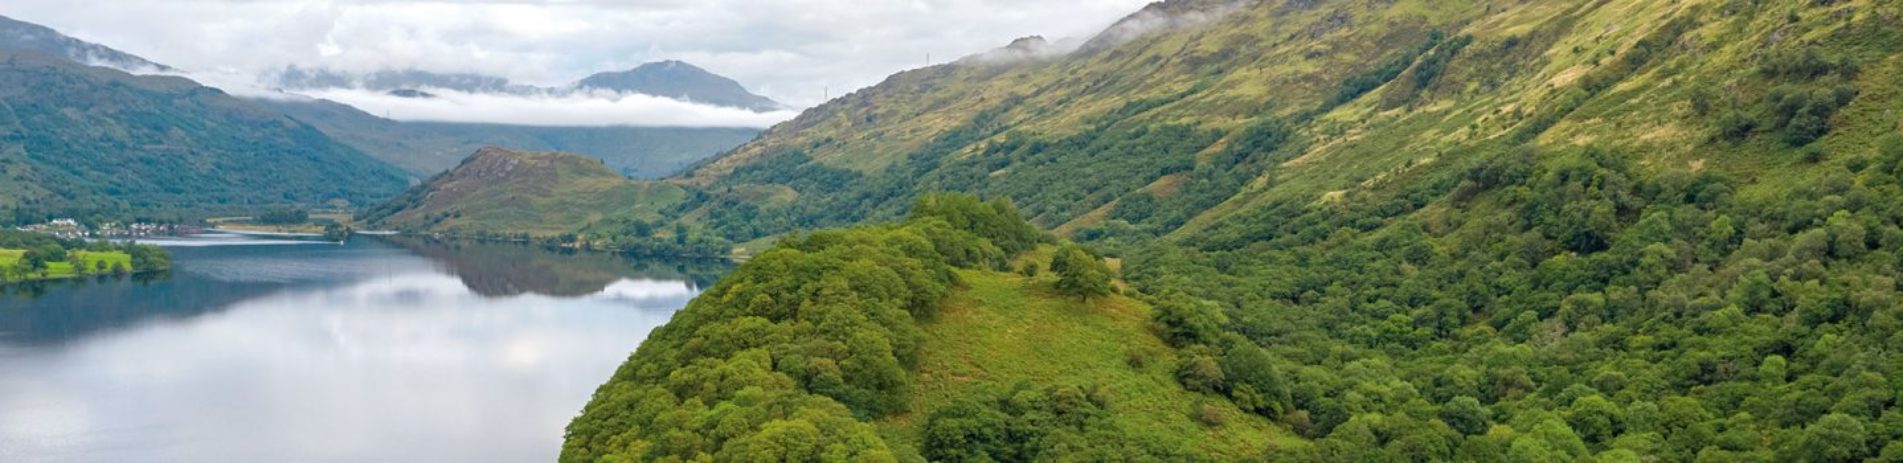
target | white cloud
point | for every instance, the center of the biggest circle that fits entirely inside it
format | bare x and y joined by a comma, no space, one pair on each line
790,50
560,110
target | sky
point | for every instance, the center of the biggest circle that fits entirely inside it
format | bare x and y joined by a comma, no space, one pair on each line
794,51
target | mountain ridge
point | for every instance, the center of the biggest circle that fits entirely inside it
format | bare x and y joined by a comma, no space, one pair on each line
682,81
21,35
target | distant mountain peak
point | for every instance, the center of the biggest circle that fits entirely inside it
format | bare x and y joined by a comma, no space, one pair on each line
679,80
26,36
1022,49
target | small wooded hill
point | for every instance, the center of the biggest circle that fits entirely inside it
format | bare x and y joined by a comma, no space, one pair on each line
903,342
79,141
498,189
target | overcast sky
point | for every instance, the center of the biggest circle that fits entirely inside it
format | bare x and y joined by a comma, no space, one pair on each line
790,50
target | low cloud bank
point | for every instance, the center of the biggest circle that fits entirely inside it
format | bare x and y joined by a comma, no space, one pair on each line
566,110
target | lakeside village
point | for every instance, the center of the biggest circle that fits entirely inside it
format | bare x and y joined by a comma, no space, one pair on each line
70,229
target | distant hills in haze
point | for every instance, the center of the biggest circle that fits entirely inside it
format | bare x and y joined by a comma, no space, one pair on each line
679,80
666,79
425,148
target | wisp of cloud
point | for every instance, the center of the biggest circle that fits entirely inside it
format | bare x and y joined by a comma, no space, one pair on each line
567,110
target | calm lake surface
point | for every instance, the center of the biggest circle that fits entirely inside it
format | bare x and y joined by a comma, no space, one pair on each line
384,349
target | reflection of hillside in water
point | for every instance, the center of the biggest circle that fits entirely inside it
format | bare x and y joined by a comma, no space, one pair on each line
503,270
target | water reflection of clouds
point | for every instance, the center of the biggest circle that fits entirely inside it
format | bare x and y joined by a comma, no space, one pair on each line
404,367
649,294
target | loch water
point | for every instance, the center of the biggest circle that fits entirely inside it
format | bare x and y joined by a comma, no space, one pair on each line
381,349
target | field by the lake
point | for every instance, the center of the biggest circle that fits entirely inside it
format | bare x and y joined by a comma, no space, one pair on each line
56,270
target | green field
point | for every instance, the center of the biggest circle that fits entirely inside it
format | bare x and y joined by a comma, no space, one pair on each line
1003,329
57,270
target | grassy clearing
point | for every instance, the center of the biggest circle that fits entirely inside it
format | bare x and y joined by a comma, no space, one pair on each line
1002,329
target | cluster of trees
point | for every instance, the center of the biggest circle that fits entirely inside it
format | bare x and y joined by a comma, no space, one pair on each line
1568,306
284,216
1356,85
1807,90
1028,423
1081,273
644,238
785,357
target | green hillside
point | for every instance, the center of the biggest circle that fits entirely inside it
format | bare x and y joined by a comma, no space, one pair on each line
1612,230
1003,333
97,143
497,189
902,342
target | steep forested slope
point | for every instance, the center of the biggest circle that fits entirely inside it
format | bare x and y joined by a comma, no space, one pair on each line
94,142
1424,231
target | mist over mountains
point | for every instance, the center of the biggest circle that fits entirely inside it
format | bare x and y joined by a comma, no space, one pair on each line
670,79
19,35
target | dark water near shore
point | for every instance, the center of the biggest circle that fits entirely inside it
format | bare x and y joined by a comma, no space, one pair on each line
384,349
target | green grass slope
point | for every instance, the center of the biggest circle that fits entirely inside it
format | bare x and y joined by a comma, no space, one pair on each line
1001,330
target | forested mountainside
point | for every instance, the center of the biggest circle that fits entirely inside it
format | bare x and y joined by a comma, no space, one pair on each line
88,142
427,148
1612,230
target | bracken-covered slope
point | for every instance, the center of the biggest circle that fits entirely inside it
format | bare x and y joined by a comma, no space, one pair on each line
93,142
1188,107
1613,230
